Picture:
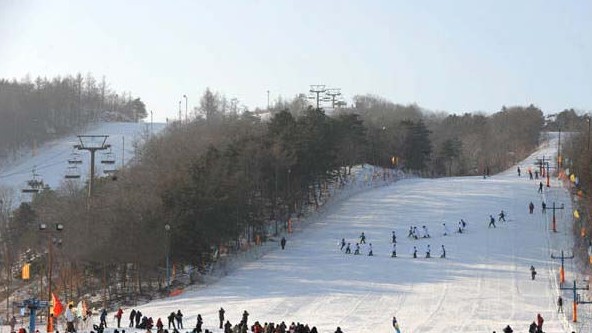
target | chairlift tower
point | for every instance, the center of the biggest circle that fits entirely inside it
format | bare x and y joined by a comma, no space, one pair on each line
317,89
332,93
92,143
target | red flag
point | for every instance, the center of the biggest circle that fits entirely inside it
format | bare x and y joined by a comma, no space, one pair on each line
58,308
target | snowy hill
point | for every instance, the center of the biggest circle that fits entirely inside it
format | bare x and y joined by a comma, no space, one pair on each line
50,161
483,285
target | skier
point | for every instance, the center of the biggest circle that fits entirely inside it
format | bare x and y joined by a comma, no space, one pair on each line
283,242
529,173
396,325
342,244
198,324
428,252
348,248
544,205
443,254
103,318
560,304
446,232
118,316
502,216
410,232
362,238
70,319
518,171
179,318
532,272
491,221
171,321
414,252
540,187
245,318
426,234
394,237
394,253
536,174
357,251
132,316
221,316
460,227
530,207
370,250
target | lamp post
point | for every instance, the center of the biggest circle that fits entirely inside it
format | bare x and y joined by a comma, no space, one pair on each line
186,119
50,241
588,119
167,230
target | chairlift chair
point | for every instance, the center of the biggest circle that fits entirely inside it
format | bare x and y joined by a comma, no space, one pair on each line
34,185
73,172
108,158
75,158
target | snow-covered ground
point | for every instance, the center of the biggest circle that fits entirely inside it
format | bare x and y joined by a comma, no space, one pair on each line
50,161
483,285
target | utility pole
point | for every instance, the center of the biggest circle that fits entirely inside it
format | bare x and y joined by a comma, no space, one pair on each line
554,225
575,298
559,151
562,269
180,116
268,100
186,117
317,89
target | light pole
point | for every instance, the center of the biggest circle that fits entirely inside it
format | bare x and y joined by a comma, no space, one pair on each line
180,116
186,119
588,119
167,230
50,241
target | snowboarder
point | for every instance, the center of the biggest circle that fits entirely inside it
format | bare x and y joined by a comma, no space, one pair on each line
342,244
414,252
283,242
348,248
532,272
502,216
428,252
540,187
394,237
362,238
221,316
560,304
491,221
443,254
394,253
370,250
396,325
530,207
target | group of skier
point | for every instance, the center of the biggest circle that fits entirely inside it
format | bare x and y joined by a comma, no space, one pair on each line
367,247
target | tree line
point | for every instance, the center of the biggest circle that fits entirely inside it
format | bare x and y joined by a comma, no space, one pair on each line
34,111
220,179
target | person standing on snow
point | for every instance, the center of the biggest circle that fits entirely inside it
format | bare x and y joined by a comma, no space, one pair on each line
394,237
396,325
530,207
357,250
118,316
221,316
370,250
428,252
544,207
283,242
342,244
502,216
540,187
348,248
132,317
362,238
414,252
179,318
560,305
518,171
70,319
426,234
532,272
445,232
394,253
443,254
540,321
491,221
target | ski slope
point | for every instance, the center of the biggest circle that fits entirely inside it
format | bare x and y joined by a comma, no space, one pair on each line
483,285
50,161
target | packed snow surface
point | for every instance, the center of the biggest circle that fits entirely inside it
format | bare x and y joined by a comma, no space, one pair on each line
482,285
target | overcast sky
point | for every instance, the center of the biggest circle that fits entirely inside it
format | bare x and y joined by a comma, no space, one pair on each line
454,56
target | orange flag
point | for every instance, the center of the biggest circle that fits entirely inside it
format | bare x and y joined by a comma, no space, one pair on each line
58,308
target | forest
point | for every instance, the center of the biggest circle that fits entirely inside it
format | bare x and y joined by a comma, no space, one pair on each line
220,180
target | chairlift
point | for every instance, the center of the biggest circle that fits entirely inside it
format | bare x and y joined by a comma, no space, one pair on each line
34,185
73,172
75,158
108,158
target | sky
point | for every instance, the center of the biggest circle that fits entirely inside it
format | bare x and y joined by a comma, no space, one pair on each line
482,285
455,56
